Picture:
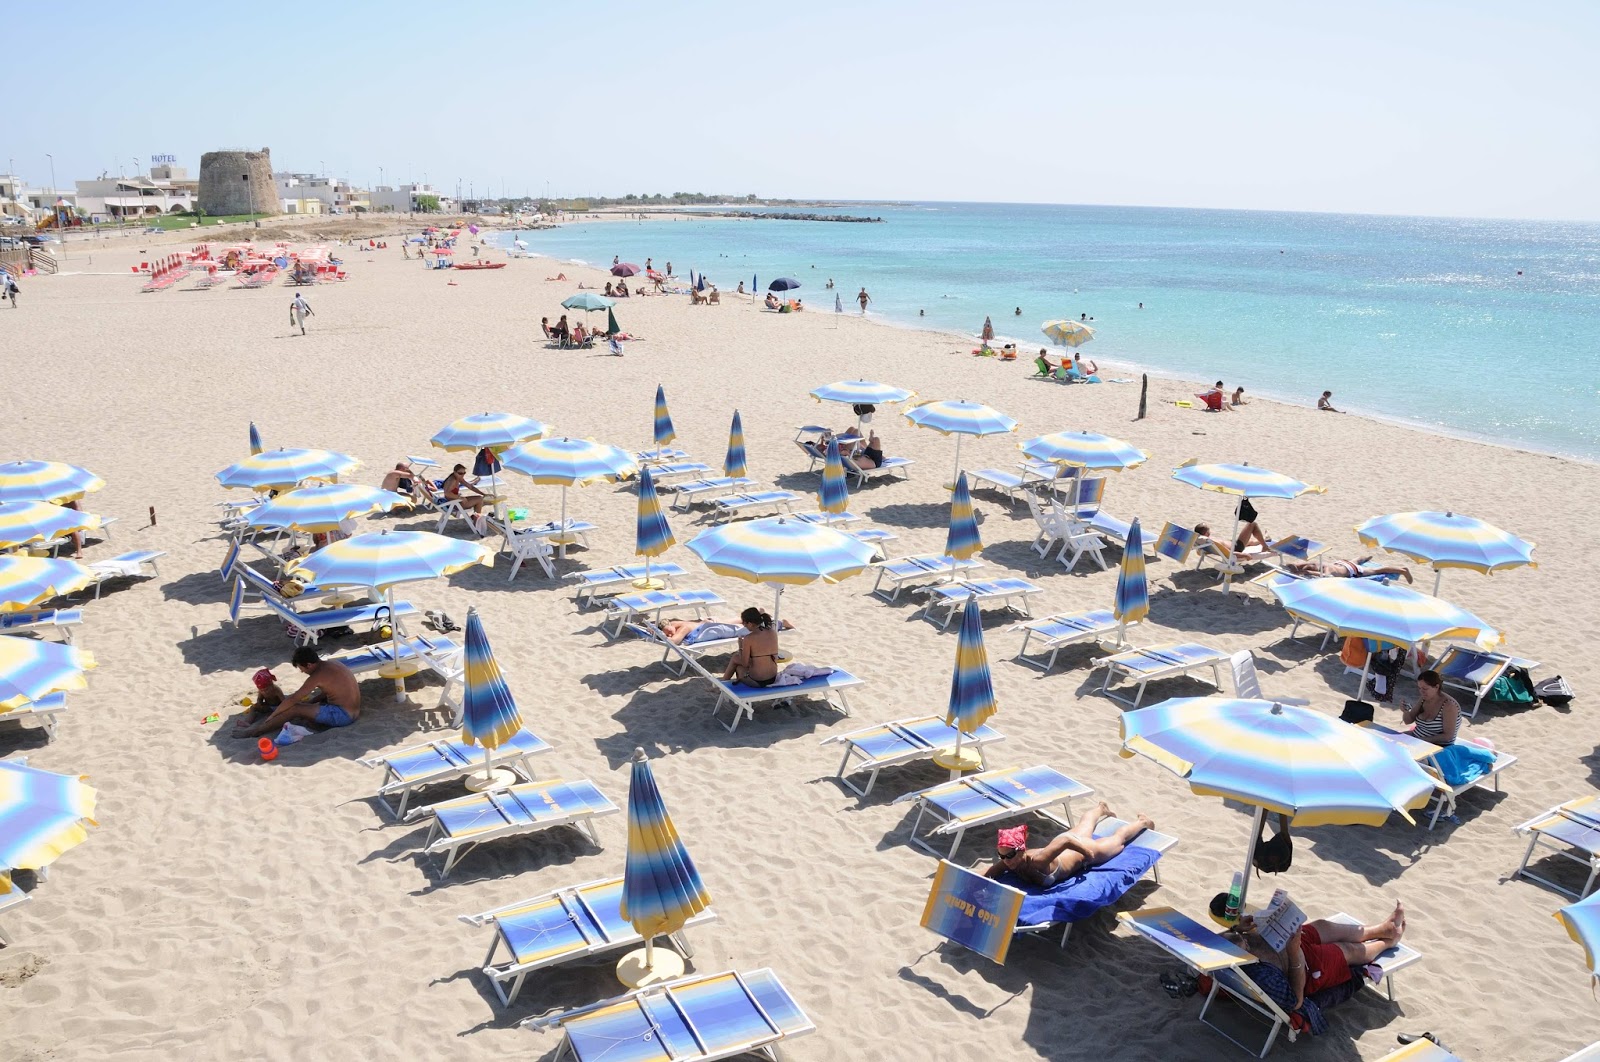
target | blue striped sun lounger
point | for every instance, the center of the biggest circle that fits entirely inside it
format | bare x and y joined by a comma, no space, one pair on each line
573,923
1159,662
701,490
461,824
742,698
1476,671
694,1019
59,620
998,479
952,597
652,604
309,626
979,799
903,741
436,762
1571,831
1055,633
46,710
764,502
677,470
604,582
913,571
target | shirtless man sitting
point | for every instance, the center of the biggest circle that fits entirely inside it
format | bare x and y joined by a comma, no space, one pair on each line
330,696
1070,853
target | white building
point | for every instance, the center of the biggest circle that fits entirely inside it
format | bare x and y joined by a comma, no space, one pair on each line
13,200
335,194
403,200
168,190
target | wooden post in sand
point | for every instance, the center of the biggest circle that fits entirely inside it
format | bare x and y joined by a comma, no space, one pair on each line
1144,394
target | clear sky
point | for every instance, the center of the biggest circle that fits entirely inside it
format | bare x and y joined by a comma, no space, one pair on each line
1458,108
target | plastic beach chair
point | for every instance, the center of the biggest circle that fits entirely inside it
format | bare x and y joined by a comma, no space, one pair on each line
953,597
603,582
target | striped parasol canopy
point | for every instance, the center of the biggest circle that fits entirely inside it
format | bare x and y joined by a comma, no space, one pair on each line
489,716
25,581
664,431
323,507
834,496
1582,922
862,392
1246,481
1085,449
42,815
255,439
652,535
492,431
961,542
46,481
733,463
1314,768
566,462
1132,601
960,419
22,522
284,469
781,553
1447,540
972,699
661,888
1367,608
1067,333
30,668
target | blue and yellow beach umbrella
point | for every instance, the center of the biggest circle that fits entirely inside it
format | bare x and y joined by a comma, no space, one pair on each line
1132,601
255,439
323,507
663,429
972,699
25,581
489,716
1313,768
1447,540
1085,449
959,419
961,542
652,535
46,481
284,469
781,553
1067,333
1367,608
42,815
566,462
733,463
30,668
22,522
491,431
1582,922
661,889
1245,481
862,393
834,496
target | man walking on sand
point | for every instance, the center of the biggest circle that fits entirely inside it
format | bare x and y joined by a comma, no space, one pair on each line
299,310
863,299
8,288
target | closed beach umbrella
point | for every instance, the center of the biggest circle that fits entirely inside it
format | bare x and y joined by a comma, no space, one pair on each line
961,541
652,535
838,303
1582,922
834,497
1068,333
30,668
1283,758
255,439
781,553
323,507
661,889
612,328
1132,601
733,463
489,716
1242,481
283,469
567,462
959,419
624,269
380,560
664,431
22,522
491,431
988,330
971,688
46,481
1447,540
42,815
25,581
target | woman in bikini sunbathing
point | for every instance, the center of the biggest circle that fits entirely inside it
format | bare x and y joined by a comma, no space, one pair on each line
756,662
1070,853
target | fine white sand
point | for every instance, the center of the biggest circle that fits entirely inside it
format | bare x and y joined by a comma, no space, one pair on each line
227,908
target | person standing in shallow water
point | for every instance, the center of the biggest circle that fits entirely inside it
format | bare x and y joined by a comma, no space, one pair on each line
863,299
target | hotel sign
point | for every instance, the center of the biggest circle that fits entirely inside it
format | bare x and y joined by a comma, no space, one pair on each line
156,160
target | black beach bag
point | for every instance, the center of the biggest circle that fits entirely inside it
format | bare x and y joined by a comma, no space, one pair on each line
1556,691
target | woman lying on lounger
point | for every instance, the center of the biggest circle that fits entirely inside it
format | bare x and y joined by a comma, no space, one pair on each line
692,632
1070,853
1334,568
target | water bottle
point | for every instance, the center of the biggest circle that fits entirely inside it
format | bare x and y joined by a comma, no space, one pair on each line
1230,913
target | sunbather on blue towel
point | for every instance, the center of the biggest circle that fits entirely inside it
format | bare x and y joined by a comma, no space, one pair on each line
693,632
1070,853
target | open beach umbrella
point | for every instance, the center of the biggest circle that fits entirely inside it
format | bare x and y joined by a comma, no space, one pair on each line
42,815
624,269
255,439
25,581
861,393
586,301
972,699
783,284
781,552
663,429
652,535
961,541
661,889
1283,758
834,496
488,431
1582,922
1085,450
46,481
1243,481
283,469
1132,600
1367,608
489,716
959,418
567,462
323,507
379,560
30,668
22,522
733,463
1067,333
1447,540
988,330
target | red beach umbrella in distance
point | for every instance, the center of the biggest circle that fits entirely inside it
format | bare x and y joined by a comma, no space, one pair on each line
624,269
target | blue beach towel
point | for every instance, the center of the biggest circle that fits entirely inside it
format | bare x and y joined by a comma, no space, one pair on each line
1462,763
1080,896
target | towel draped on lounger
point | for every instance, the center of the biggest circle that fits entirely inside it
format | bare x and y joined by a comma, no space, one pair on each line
1076,898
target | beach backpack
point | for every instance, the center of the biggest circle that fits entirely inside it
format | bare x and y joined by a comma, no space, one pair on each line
1356,712
1556,691
1514,687
1274,855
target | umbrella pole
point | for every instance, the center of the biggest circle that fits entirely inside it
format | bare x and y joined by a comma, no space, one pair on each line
1250,855
957,475
1438,577
1227,579
561,550
394,646
1361,690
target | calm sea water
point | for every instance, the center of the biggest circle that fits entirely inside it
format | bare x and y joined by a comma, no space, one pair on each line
1482,328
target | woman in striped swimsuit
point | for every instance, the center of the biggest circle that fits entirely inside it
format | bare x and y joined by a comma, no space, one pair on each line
1436,717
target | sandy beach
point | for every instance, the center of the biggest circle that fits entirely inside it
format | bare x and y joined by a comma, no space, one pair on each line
229,908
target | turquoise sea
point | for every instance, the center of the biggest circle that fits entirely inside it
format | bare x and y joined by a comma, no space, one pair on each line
1483,328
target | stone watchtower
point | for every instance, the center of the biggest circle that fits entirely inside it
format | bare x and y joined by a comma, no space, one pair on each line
237,182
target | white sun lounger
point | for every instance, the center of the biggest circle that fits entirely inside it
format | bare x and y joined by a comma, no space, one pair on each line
891,467
1007,483
761,502
1444,794
871,536
653,604
309,626
660,456
129,565
703,490
1055,633
1570,831
10,901
58,620
604,582
903,741
743,698
698,1018
992,796
435,762
952,597
649,632
662,474
915,571
1476,671
568,924
574,531
461,824
1159,662
46,711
